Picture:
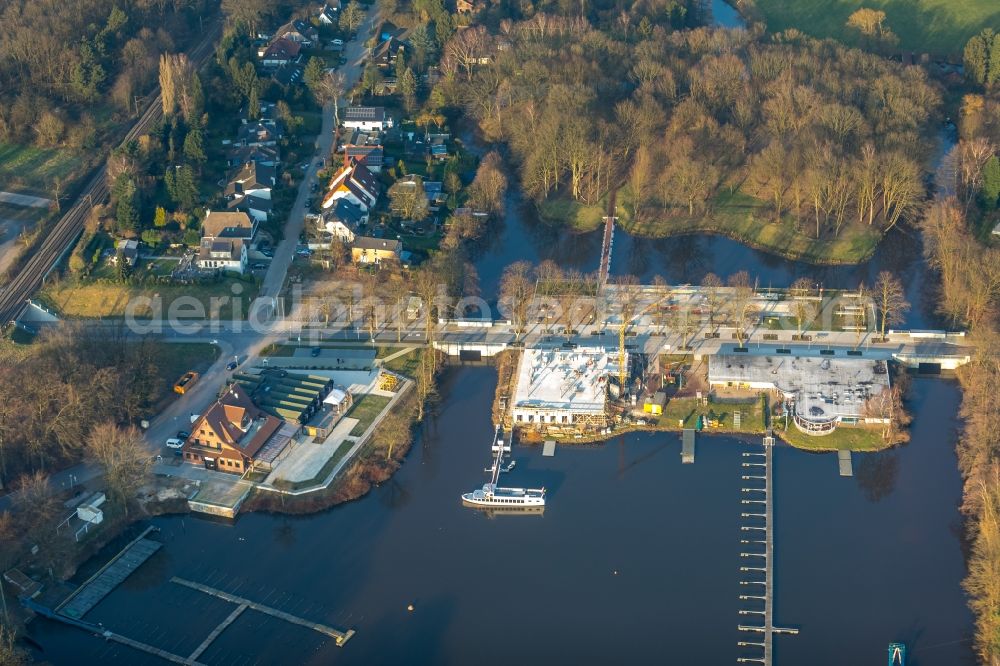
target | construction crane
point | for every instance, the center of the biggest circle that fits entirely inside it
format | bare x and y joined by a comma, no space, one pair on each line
629,300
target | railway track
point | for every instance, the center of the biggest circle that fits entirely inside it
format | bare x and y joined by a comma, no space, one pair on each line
61,238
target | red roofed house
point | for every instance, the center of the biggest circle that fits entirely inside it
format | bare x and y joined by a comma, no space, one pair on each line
230,433
355,183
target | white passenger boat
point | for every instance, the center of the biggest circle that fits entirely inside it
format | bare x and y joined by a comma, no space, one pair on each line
492,496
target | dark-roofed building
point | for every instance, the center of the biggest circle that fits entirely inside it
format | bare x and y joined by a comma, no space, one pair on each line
263,155
368,250
367,118
342,221
370,156
329,13
298,31
231,432
288,75
249,190
228,225
288,395
280,52
258,133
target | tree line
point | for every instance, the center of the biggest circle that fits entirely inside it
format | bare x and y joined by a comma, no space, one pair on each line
827,136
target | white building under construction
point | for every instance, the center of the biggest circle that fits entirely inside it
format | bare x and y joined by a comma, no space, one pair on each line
563,388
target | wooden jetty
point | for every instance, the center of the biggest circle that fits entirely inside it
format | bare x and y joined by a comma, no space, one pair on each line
844,460
757,497
687,446
340,637
110,576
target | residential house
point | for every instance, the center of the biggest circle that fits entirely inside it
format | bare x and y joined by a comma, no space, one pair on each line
280,52
288,75
388,31
127,251
342,221
249,190
367,118
370,156
385,53
263,155
367,250
224,241
231,433
266,111
222,254
329,13
258,133
229,225
300,32
467,7
356,184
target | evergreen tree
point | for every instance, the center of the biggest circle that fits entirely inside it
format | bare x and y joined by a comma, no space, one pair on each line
313,75
194,148
991,183
408,88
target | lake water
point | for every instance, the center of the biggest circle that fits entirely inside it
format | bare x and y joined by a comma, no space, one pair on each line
634,561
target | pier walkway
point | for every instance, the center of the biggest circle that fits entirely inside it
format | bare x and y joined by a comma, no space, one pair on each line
110,576
760,581
340,637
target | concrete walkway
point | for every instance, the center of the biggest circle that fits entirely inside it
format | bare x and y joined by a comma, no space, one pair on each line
307,460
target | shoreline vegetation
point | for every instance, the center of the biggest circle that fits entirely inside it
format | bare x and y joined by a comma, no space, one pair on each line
736,217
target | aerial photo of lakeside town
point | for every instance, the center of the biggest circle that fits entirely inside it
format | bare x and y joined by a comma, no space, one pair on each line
453,331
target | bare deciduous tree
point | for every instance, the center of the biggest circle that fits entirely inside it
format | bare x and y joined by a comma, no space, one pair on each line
890,301
123,455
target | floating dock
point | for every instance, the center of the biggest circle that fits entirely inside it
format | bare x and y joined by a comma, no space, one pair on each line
340,637
110,576
687,446
844,459
549,448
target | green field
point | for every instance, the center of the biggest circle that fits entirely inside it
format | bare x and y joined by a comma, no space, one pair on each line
844,437
26,167
366,409
941,27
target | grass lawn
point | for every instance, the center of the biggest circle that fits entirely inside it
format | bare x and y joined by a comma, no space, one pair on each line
573,214
941,27
844,437
365,410
88,299
27,166
689,410
406,364
743,218
174,359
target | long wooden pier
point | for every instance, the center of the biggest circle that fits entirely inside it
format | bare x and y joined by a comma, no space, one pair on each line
110,576
340,637
758,469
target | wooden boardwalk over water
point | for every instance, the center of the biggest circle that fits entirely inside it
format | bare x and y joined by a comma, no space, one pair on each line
110,576
760,576
341,637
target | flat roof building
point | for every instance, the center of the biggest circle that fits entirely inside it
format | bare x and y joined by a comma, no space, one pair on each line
825,388
563,388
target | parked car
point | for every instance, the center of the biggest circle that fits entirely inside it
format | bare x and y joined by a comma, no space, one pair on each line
183,434
186,381
315,352
231,365
258,267
268,253
305,252
175,443
337,42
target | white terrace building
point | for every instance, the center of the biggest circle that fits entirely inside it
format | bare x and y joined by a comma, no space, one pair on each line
564,388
